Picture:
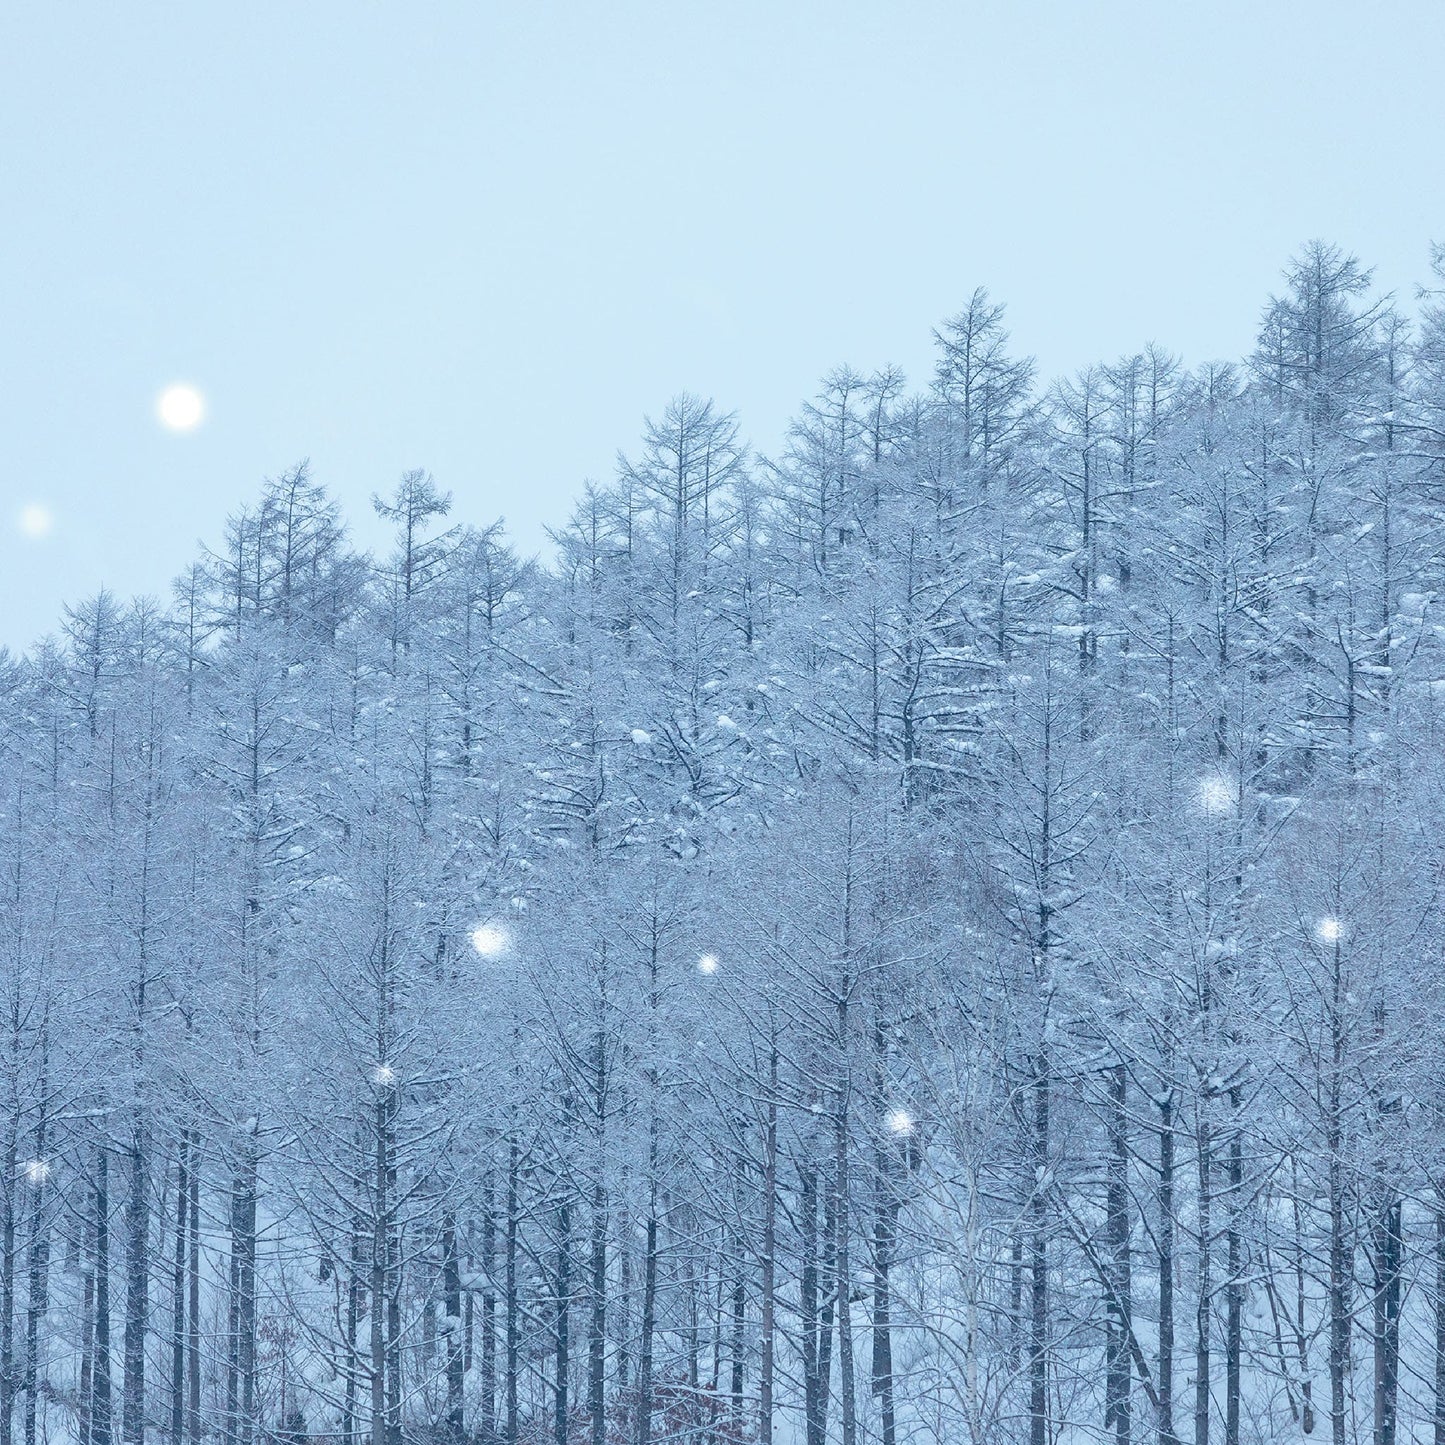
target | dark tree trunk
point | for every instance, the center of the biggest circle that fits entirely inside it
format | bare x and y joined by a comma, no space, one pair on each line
513,1303
241,1371
178,1292
455,1343
1389,1249
1117,1412
489,1315
1234,1286
7,1288
1205,1288
1439,1421
38,1270
100,1404
649,1324
1039,1261
137,1285
597,1322
562,1323
1166,1268
770,1244
193,1268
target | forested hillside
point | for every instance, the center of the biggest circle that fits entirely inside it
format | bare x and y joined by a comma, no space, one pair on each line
931,936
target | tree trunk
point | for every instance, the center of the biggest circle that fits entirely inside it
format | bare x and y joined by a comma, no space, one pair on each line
452,1303
649,1316
380,1258
178,1292
241,1386
770,1244
355,1293
489,1315
513,1304
1205,1290
1234,1286
562,1322
193,1268
37,1270
1439,1421
7,1286
1389,1248
597,1323
86,1391
100,1412
1117,1411
1039,1260
814,1382
842,1216
1166,1269
137,1285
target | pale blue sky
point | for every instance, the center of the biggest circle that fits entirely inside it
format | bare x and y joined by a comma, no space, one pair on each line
486,239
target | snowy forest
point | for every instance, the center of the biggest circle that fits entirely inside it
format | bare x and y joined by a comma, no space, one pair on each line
932,935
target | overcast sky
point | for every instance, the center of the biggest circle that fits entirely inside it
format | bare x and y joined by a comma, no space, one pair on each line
485,239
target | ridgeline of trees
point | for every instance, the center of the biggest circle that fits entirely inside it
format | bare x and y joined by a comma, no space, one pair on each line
934,936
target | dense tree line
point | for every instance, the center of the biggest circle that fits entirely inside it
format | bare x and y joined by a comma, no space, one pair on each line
934,935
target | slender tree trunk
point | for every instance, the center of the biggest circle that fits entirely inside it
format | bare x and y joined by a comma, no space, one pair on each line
1205,1290
37,1265
1117,1412
649,1317
193,1269
739,1335
562,1322
1234,1286
513,1303
1340,1263
243,1252
843,1270
178,1292
1439,1421
86,1392
137,1284
1039,1260
455,1343
7,1287
379,1261
827,1305
808,1306
1166,1268
489,1314
100,1404
885,1229
769,1262
355,1293
393,1279
597,1323
1389,1249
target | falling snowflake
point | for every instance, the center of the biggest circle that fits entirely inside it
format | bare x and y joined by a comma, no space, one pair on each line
708,963
900,1121
489,940
1216,795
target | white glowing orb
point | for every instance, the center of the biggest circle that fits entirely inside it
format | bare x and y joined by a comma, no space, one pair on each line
384,1075
36,1171
1330,930
1216,796
708,963
34,520
489,940
900,1121
180,407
